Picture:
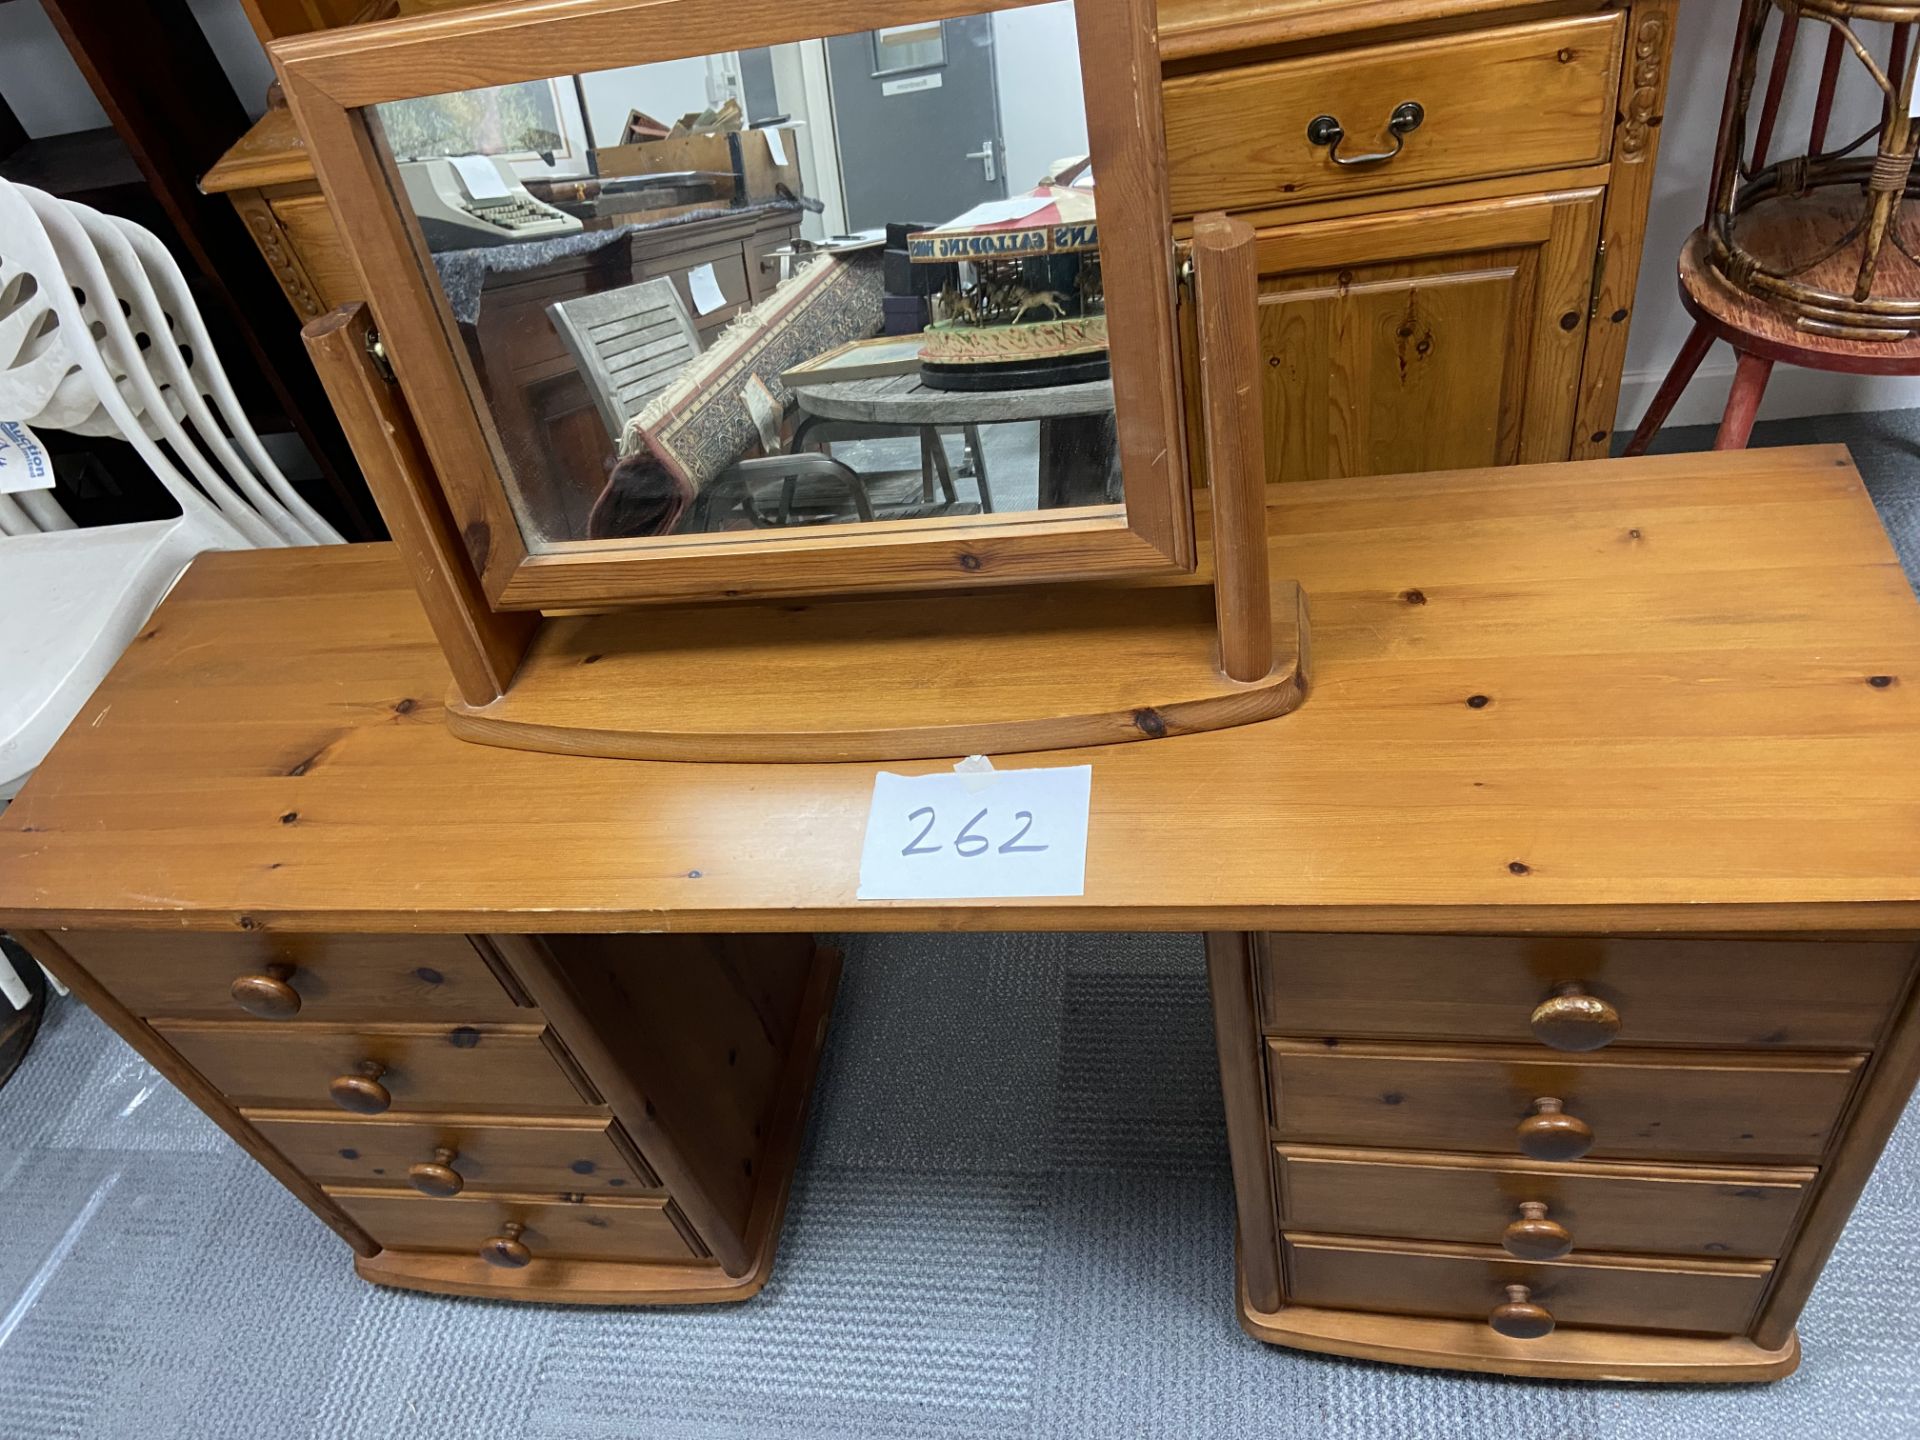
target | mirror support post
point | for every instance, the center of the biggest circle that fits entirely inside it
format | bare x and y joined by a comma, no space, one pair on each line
1227,293
483,646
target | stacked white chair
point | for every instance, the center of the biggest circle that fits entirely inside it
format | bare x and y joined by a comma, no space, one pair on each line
99,336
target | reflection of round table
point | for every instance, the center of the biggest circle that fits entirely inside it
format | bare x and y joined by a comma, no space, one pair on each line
1076,422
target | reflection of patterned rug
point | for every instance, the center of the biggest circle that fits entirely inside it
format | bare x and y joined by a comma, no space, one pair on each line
704,421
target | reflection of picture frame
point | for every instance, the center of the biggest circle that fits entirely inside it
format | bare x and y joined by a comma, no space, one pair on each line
874,359
521,124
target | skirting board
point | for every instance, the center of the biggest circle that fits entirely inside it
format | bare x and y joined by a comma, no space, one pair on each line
1791,393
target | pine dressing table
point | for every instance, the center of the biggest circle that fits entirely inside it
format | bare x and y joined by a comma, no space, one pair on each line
1610,752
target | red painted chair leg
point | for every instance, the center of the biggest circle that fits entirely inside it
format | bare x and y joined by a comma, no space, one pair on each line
1684,364
1749,384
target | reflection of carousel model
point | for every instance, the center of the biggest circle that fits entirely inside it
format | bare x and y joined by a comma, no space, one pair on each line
1026,308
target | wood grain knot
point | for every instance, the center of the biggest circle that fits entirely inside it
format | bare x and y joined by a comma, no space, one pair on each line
1414,597
291,817
479,542
1881,682
1519,867
1150,722
1479,702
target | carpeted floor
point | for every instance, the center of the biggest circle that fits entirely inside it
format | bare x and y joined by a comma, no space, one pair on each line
1013,1219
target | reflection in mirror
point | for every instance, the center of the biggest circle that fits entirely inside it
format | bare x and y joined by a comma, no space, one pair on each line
846,280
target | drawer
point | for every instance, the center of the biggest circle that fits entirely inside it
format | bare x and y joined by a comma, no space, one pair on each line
1466,1282
1496,102
304,977
544,1155
645,1229
1655,1209
316,240
1757,994
516,1069
1683,1105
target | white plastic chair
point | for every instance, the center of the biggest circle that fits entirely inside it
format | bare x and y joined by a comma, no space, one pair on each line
71,599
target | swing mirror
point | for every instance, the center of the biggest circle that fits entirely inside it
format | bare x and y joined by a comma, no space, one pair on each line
694,299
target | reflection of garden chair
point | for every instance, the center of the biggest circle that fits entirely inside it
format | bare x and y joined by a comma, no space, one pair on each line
631,342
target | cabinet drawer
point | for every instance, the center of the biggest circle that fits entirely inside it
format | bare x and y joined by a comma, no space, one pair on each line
643,1229
329,977
1790,994
547,1155
1466,1282
514,1069
1684,1105
1659,1210
1497,102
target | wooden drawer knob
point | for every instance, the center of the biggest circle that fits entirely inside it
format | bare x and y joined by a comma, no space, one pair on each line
361,1092
1571,1019
1519,1318
1534,1237
507,1251
437,1176
267,994
1549,1133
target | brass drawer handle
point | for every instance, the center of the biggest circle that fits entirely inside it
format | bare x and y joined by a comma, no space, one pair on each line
1327,130
1518,1318
1534,1237
437,1177
1549,1133
1572,1019
361,1092
506,1249
268,994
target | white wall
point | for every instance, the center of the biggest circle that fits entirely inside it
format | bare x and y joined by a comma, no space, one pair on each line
46,90
1703,44
1036,61
666,90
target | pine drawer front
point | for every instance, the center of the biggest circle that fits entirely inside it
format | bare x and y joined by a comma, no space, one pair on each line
1510,101
513,1069
1755,994
1673,1105
645,1230
1647,1209
546,1155
297,977
1466,1282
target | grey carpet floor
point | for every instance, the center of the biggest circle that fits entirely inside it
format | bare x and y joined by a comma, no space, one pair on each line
1013,1218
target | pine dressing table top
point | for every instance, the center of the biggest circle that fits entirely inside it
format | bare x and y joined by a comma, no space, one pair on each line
1673,693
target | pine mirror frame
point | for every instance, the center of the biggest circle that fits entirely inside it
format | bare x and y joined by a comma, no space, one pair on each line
332,78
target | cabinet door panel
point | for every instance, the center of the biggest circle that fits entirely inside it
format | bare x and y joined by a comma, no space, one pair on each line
1428,339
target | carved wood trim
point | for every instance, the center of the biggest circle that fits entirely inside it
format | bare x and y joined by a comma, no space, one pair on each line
277,249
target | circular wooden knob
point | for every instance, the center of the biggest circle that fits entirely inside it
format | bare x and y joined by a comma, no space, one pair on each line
507,1251
267,994
1571,1019
361,1092
1519,1318
1534,1237
1549,1133
437,1176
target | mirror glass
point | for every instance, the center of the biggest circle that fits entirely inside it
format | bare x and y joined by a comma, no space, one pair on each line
848,280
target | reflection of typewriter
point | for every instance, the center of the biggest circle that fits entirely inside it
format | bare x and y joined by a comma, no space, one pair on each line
474,200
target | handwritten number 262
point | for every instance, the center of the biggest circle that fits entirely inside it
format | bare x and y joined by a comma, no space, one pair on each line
967,842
